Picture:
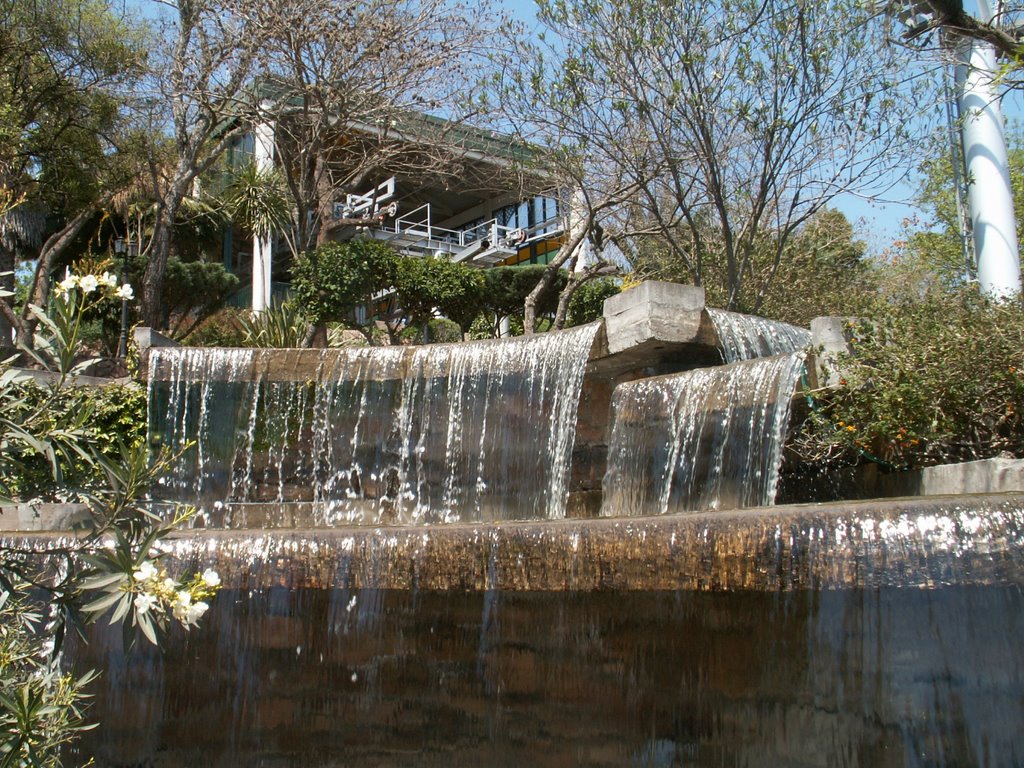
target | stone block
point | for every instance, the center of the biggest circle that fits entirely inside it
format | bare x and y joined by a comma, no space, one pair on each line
145,340
828,341
655,314
998,475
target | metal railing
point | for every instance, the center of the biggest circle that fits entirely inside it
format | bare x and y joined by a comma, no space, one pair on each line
417,224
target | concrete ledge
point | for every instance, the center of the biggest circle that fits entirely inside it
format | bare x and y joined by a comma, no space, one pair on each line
44,378
44,517
907,543
145,339
869,481
983,476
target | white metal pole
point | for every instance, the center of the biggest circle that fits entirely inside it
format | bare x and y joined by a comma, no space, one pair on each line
989,193
262,248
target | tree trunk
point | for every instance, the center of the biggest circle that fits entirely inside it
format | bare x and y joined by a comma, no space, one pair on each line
567,250
575,281
40,292
153,279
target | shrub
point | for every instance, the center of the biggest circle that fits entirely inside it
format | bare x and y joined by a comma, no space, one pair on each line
281,326
430,282
194,290
222,329
331,281
928,381
587,303
106,420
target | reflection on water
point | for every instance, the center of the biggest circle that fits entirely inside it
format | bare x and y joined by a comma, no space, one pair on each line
854,677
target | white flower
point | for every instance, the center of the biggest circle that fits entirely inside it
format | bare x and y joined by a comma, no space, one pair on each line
108,280
88,283
211,578
68,284
194,613
144,601
170,584
145,572
125,292
180,607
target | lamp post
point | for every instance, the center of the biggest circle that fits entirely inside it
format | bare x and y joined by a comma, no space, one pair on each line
125,249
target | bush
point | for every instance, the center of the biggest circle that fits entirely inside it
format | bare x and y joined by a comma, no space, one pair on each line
928,381
587,303
222,329
106,420
281,326
194,290
504,291
430,282
330,282
440,330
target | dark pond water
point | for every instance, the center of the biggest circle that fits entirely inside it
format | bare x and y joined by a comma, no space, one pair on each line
891,677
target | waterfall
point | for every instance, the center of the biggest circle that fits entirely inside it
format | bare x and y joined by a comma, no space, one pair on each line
706,439
744,337
475,431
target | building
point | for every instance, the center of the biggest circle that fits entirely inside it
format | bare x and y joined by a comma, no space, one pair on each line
480,205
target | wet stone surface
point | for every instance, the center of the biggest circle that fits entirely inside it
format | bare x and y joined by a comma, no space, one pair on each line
349,677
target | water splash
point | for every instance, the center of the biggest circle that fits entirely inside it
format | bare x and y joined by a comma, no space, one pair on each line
706,439
745,337
478,431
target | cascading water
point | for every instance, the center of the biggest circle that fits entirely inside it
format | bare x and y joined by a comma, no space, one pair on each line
864,636
744,337
762,638
706,439
477,431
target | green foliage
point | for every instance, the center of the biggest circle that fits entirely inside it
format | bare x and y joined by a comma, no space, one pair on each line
823,272
435,282
258,201
587,304
194,290
281,326
821,265
41,708
928,381
505,290
440,330
331,281
106,419
88,444
222,329
63,67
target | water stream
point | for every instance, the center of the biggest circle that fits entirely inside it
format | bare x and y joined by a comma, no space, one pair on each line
706,439
744,337
867,636
477,431
877,634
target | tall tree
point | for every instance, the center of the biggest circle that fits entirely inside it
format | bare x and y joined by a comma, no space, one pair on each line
64,68
209,57
733,120
350,87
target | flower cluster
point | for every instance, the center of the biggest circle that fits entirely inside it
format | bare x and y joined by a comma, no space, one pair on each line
88,284
185,601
